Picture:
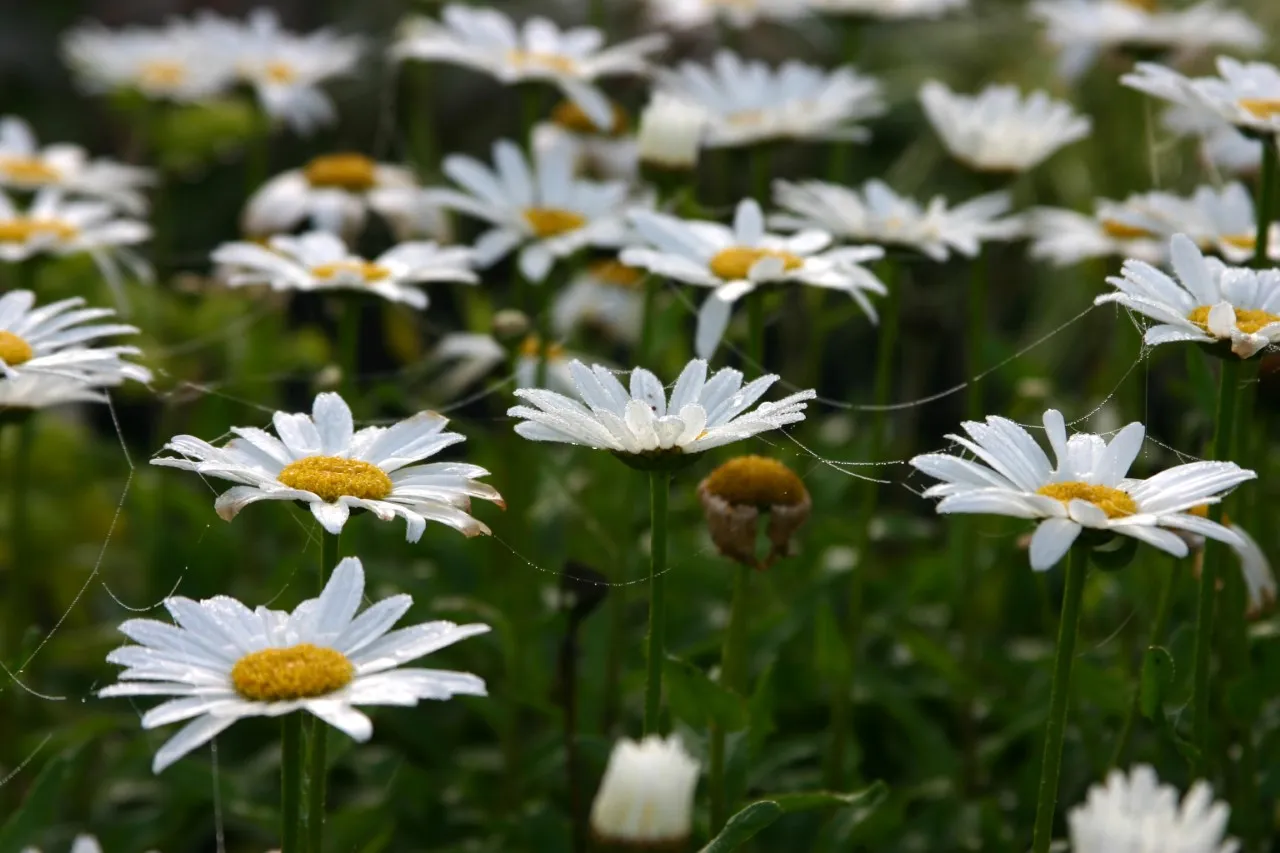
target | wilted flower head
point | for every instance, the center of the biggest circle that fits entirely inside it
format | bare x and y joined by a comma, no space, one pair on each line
734,495
646,796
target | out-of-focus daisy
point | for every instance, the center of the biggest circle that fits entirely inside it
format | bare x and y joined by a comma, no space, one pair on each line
998,130
1134,811
488,40
25,165
877,214
1220,220
320,260
1065,238
333,192
322,461
1086,487
28,392
739,14
222,662
539,206
670,134
735,260
889,9
178,62
58,339
1223,148
608,296
644,422
1206,301
748,101
645,800
1246,95
470,356
608,153
81,844
1082,29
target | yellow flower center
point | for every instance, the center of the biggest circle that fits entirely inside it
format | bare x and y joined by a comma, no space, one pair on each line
736,261
550,61
14,350
21,230
553,221
353,172
746,118
617,273
756,481
28,170
1248,320
1240,241
531,347
1144,5
332,477
1112,501
1263,108
1124,231
367,271
162,74
570,116
296,672
279,72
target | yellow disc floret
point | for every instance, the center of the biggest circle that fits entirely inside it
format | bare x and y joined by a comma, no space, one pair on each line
571,117
553,221
14,350
28,170
1263,108
736,262
1144,5
21,230
1124,231
303,671
279,72
531,347
554,62
1248,320
162,74
756,481
332,477
352,172
1112,501
617,273
364,269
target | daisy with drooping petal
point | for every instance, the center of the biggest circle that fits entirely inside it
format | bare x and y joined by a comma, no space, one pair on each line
319,260
1205,302
736,260
1244,94
222,662
1255,568
607,153
489,41
57,339
894,10
748,101
179,62
539,206
739,14
1134,811
877,214
26,166
998,130
333,192
607,296
1086,487
322,461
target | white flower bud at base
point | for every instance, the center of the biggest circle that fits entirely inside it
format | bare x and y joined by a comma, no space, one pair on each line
645,801
670,134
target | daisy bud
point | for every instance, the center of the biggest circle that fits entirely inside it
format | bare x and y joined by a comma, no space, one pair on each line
510,324
670,134
734,495
645,801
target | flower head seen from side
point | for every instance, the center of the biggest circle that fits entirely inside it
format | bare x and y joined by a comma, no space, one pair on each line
607,296
733,497
670,134
747,101
1206,301
738,14
487,40
1223,148
1067,237
736,260
179,62
333,192
322,461
223,662
468,357
29,392
60,339
538,206
607,153
998,130
646,796
319,260
1134,811
1086,488
1244,94
892,10
641,424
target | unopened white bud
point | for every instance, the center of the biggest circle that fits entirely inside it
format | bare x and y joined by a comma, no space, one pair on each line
646,796
670,134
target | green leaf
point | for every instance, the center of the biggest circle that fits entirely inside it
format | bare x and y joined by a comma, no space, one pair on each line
743,826
1156,678
699,701
868,798
40,807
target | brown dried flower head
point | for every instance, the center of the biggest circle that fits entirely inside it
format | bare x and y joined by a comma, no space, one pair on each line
734,495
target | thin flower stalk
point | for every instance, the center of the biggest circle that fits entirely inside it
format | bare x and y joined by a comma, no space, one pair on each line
1159,627
291,784
318,770
732,676
659,490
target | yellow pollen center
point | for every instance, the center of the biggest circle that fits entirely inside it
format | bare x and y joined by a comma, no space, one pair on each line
616,273
365,270
553,221
1248,320
162,74
296,672
736,261
14,350
353,172
1112,501
756,481
1263,108
531,347
570,116
279,72
28,170
21,230
549,61
1144,5
1240,241
332,477
1124,231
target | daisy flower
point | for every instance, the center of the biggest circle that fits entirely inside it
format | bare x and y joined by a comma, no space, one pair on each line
1223,148
739,14
180,62
322,461
1086,487
645,799
895,10
607,296
222,662
26,166
1255,568
488,40
1066,237
998,130
470,357
747,101
608,153
539,206
319,260
642,423
670,134
877,214
28,392
736,260
55,339
333,192
1134,811
1206,301
1245,95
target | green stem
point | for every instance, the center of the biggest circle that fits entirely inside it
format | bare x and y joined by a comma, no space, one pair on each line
291,784
1160,625
755,346
841,153
1266,201
732,659
20,567
978,328
349,346
1224,430
1059,696
648,322
885,349
422,130
318,769
659,486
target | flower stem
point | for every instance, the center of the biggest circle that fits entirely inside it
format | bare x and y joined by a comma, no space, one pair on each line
20,567
648,321
349,346
1059,694
1224,430
1266,201
291,784
659,486
1159,626
732,658
755,316
318,766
